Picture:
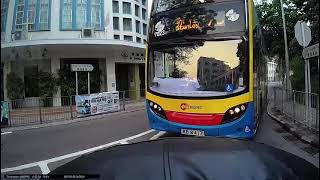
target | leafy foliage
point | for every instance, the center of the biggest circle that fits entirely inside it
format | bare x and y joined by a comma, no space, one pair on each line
47,84
15,86
270,19
178,73
298,72
66,81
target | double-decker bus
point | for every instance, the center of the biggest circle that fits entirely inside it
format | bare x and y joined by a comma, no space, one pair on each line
205,68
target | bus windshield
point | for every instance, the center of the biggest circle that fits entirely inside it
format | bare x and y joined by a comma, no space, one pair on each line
199,50
199,68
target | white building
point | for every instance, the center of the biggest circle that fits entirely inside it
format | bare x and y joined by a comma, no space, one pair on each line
48,35
271,66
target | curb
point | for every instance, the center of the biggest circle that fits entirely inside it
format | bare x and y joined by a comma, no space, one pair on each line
63,122
293,131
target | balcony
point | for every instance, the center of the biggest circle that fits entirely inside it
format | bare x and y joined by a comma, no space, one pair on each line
64,37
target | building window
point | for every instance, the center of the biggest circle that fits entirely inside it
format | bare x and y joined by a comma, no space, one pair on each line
77,14
32,15
127,24
144,2
137,26
4,14
138,40
144,41
81,13
116,23
116,36
144,14
127,38
44,15
67,14
96,14
136,8
19,14
126,8
144,29
115,6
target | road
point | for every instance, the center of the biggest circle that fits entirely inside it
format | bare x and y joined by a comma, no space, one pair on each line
42,150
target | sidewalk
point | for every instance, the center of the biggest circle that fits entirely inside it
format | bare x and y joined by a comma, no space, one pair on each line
128,108
300,131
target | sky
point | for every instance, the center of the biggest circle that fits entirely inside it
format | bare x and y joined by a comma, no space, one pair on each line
149,5
214,50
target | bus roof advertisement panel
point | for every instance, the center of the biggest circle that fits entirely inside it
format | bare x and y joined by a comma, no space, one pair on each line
203,19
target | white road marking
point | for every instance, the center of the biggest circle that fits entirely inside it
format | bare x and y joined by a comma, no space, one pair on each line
44,167
160,133
124,142
59,158
5,133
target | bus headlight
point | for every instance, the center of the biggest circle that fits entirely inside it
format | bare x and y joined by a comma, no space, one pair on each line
234,113
157,109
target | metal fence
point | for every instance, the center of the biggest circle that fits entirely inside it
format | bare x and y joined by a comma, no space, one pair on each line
38,110
301,107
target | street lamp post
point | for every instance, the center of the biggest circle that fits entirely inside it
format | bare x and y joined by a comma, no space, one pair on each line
287,83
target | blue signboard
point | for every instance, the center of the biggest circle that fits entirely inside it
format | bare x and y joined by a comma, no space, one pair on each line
229,87
4,113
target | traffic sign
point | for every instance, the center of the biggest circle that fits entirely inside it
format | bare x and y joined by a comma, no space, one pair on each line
302,33
311,51
81,67
229,87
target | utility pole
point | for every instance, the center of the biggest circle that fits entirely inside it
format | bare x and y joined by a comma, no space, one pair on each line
287,75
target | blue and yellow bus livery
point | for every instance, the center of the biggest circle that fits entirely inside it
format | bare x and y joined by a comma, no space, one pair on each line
205,68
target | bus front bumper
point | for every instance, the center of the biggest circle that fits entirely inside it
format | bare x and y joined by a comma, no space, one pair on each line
240,128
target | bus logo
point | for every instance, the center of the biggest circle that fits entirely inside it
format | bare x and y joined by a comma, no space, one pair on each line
185,106
160,29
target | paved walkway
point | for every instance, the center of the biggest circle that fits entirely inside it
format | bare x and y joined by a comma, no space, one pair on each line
128,108
299,130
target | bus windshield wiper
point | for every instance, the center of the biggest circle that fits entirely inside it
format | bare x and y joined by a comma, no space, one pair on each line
190,40
213,38
171,42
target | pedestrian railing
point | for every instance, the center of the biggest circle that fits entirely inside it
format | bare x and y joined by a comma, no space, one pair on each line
37,110
302,107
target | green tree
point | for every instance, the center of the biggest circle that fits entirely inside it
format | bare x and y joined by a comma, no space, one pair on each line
15,86
47,84
269,15
178,73
66,81
297,78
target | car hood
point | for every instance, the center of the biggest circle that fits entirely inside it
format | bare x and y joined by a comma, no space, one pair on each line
193,158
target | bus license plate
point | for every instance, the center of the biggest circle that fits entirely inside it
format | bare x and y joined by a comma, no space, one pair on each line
192,132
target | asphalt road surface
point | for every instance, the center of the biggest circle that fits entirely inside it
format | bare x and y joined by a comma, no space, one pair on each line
42,150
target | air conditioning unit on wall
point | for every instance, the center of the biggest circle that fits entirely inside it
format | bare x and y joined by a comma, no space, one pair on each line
17,35
20,35
87,32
